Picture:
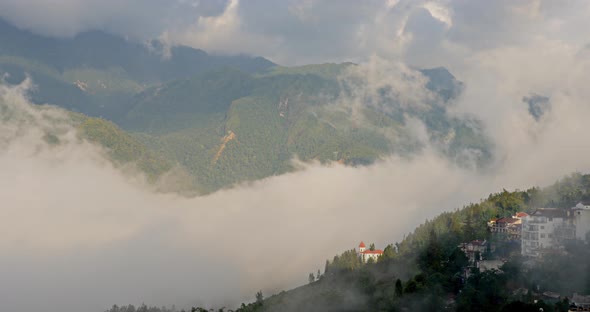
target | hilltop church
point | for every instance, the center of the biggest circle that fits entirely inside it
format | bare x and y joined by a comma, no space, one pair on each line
367,254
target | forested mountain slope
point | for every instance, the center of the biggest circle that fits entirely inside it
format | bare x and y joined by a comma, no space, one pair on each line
97,73
426,271
230,119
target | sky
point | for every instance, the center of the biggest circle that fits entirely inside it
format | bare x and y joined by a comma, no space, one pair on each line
290,32
77,234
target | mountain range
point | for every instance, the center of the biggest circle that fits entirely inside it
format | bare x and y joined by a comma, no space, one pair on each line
222,120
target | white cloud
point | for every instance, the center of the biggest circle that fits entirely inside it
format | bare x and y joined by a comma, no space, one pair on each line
140,19
439,12
222,34
422,33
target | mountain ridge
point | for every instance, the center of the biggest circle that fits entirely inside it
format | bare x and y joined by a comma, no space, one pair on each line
182,108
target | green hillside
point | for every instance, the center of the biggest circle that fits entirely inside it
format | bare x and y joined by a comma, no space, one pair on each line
98,74
228,126
426,270
326,71
123,149
227,119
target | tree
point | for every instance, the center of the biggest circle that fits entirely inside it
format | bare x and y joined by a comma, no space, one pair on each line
372,247
457,261
563,305
388,253
411,286
399,290
259,297
366,281
319,275
311,278
432,257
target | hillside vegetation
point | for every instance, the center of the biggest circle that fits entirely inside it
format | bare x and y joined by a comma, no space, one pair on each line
122,148
426,271
230,119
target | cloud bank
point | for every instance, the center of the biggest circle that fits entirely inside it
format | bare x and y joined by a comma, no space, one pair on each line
423,33
139,19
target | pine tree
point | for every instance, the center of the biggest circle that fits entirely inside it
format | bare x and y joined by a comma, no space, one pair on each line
259,297
399,290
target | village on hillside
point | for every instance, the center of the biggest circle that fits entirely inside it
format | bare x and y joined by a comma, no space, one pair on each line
533,236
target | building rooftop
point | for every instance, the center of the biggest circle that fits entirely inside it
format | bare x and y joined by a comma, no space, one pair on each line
507,220
550,213
362,245
579,299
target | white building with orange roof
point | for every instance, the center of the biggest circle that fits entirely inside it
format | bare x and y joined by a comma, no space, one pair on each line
511,226
367,254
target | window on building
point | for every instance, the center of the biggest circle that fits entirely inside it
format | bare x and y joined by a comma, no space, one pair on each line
542,235
550,219
542,227
550,235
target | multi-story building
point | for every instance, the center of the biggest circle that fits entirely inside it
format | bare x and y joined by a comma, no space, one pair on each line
546,228
508,226
581,220
511,226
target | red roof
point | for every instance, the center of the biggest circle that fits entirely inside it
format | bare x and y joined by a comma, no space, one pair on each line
522,214
376,251
362,245
507,220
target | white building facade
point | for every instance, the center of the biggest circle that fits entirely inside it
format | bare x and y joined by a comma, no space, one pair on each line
545,228
581,219
367,254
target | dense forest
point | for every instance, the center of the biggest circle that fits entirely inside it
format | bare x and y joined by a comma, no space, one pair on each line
427,271
223,120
